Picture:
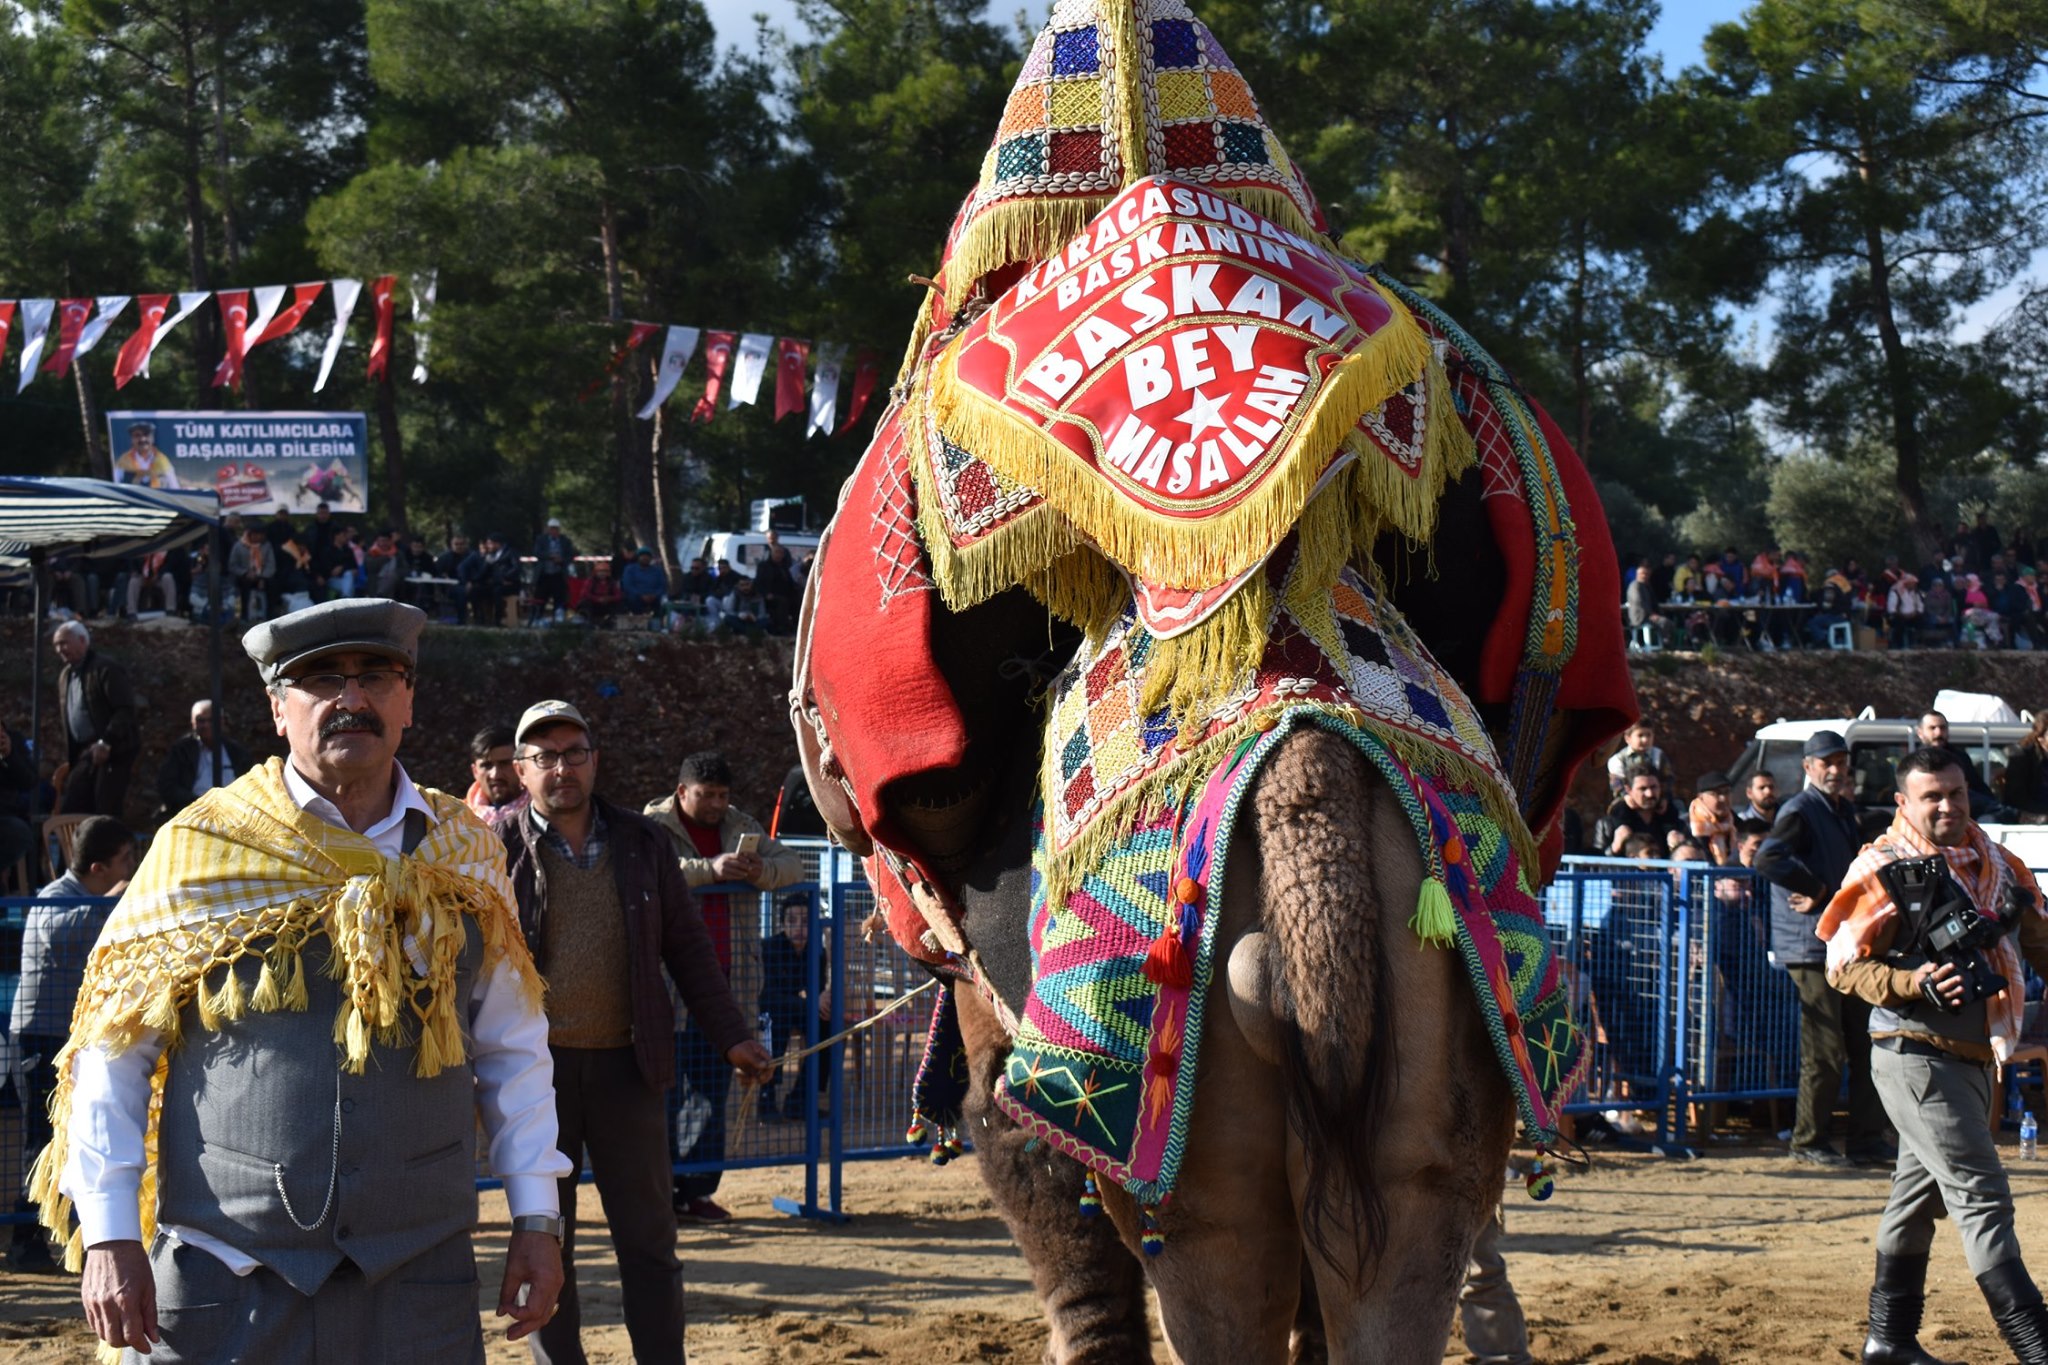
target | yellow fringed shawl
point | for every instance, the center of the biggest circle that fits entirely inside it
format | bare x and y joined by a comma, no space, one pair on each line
244,872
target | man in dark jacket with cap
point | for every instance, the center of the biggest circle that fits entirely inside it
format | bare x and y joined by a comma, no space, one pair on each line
1805,858
604,907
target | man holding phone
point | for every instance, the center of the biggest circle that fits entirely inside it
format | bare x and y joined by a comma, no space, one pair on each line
716,843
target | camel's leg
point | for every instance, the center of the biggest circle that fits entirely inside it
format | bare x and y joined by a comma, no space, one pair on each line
1229,1276
1087,1280
1440,1147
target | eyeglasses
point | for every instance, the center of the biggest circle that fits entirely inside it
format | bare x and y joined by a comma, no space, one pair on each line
375,683
548,759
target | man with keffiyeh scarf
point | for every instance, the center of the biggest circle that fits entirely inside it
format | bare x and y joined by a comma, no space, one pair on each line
1935,1049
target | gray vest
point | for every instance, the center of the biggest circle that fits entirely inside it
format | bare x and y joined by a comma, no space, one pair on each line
260,1112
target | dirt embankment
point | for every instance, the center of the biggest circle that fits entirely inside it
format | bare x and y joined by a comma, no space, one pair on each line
656,698
1705,712
653,699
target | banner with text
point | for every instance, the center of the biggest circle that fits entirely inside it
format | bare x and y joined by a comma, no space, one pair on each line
259,462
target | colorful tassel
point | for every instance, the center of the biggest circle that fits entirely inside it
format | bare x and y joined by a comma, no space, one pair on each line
1149,1235
1167,962
1436,920
1540,1182
915,1133
1091,1198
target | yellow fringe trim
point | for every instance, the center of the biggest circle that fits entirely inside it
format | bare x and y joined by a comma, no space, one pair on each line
1213,549
1011,231
117,1016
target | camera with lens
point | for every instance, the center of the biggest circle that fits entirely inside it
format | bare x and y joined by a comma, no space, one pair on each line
1946,926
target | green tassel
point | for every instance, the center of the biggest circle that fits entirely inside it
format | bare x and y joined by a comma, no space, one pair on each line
1436,920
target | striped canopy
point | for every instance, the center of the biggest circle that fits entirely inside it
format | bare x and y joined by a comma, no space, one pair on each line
94,517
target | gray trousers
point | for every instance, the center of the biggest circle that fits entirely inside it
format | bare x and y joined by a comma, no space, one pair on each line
425,1311
1947,1158
604,1105
1489,1312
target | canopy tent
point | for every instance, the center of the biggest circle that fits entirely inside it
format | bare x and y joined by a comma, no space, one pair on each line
40,517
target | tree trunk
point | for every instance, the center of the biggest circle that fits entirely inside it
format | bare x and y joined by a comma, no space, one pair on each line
1582,388
230,229
664,534
97,456
1898,373
394,453
634,506
205,332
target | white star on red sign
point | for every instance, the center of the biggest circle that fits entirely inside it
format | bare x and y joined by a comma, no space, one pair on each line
1206,413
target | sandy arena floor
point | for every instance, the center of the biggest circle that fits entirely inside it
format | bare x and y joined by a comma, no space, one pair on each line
1739,1256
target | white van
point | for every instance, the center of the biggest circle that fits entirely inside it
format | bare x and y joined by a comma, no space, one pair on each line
1876,744
744,549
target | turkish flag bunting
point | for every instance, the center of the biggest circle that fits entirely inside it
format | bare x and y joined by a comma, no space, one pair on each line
6,323
71,316
135,350
284,323
234,313
380,348
110,307
641,331
866,370
718,361
35,330
791,356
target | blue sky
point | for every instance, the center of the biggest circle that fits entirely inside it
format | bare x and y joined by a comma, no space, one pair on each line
1678,31
1677,35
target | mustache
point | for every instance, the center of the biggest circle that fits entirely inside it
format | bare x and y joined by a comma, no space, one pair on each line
352,722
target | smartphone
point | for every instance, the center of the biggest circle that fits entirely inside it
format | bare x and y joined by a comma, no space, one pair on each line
749,843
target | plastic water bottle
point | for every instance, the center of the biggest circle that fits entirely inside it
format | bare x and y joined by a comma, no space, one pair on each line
764,1029
2028,1131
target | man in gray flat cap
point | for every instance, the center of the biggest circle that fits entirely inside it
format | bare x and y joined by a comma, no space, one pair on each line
1810,847
337,950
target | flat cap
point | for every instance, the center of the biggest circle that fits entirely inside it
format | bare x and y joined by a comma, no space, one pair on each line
362,625
1821,743
543,713
1712,782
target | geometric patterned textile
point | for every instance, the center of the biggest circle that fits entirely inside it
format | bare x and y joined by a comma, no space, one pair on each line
1345,648
1067,131
1104,1062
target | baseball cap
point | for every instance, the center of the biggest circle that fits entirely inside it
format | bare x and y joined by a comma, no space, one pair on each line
1821,743
1712,782
551,712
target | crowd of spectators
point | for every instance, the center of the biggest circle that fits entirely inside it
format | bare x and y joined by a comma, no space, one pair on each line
1983,591
275,565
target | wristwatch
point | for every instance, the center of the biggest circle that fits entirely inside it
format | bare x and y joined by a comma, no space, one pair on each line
549,1223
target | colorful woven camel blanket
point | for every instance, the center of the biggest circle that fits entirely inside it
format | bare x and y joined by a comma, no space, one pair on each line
1105,1061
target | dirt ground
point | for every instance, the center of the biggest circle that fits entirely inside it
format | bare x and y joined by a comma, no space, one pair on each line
1738,1256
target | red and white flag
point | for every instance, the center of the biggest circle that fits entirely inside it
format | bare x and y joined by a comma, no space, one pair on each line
285,323
346,292
791,356
188,304
749,366
676,349
717,361
866,371
380,347
134,352
71,316
641,331
6,323
35,329
105,309
235,305
825,388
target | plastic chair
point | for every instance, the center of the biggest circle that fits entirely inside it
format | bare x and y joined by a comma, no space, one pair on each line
1841,635
1649,638
60,832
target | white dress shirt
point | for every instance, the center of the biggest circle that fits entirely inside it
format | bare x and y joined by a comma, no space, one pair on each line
202,781
515,1087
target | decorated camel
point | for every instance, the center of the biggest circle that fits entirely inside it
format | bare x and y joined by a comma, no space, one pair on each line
1198,659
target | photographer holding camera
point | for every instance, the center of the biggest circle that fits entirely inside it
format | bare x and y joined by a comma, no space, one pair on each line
1929,928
